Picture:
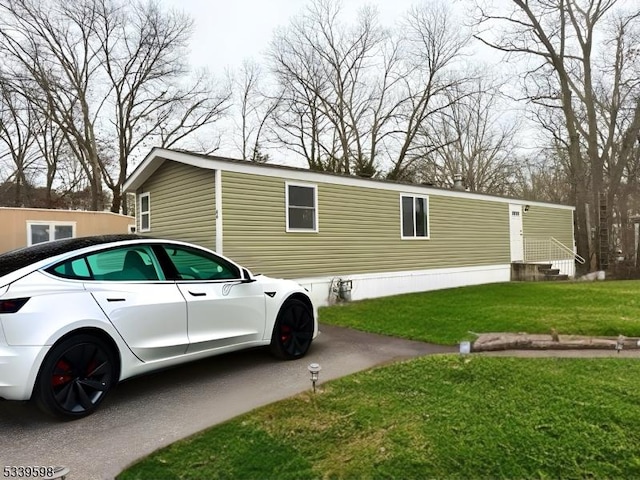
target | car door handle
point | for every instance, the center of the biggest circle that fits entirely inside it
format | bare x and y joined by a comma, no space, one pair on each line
116,299
198,294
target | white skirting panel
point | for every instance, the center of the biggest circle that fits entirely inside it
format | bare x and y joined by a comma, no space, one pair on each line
566,267
324,290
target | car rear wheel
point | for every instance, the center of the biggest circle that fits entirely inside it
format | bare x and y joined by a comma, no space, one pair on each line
293,330
75,377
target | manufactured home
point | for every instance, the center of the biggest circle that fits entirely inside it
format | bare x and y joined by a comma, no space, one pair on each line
23,227
345,236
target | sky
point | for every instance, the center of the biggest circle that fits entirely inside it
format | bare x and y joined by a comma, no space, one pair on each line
228,32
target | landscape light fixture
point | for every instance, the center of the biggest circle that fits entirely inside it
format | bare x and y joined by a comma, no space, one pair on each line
314,370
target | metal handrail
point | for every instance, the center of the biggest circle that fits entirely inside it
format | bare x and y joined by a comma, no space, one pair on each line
577,257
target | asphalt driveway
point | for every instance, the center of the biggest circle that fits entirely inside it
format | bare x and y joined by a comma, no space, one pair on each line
146,413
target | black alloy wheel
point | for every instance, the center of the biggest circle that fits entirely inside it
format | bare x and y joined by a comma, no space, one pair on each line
75,377
293,330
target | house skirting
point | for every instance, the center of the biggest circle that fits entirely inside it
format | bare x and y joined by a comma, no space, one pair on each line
327,290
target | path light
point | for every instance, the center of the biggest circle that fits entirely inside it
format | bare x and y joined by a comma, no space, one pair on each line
314,369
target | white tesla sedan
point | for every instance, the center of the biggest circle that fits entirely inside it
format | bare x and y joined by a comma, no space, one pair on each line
79,315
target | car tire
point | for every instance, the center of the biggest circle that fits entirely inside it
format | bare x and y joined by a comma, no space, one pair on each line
293,330
75,377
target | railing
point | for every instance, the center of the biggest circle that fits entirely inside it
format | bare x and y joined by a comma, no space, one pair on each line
570,251
542,250
553,251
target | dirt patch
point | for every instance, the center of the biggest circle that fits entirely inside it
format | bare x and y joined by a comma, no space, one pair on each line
491,342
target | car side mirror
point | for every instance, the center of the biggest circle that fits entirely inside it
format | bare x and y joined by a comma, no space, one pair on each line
247,277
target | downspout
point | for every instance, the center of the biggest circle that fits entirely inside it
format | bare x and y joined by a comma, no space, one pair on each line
219,233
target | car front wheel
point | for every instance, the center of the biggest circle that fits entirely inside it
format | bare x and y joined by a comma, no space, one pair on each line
75,377
293,330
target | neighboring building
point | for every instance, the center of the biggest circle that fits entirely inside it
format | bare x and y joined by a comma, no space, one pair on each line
21,227
327,230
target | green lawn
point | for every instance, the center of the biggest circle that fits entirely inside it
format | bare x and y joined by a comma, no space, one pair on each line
435,417
446,416
447,316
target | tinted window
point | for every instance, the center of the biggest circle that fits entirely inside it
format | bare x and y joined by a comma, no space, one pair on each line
127,264
194,264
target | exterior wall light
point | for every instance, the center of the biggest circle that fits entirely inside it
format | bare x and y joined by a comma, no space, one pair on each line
314,370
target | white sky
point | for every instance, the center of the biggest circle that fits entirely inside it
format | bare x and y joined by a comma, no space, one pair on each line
228,32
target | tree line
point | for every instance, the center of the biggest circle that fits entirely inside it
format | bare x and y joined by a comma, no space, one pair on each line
88,86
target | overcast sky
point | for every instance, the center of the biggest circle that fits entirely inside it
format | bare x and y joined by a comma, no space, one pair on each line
227,32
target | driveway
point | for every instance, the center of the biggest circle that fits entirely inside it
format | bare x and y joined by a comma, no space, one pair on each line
146,413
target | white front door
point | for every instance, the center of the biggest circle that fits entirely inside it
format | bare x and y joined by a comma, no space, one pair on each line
515,229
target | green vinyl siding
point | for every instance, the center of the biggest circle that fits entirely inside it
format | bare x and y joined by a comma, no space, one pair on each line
358,231
543,222
182,201
539,224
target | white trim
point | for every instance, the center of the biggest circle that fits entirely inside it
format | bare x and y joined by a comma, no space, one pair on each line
316,228
148,212
382,284
51,224
219,226
157,157
414,237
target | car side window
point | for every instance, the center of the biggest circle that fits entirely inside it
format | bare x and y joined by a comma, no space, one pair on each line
76,269
193,264
125,264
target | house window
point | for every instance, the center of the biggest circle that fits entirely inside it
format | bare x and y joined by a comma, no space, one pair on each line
415,216
302,208
38,232
145,212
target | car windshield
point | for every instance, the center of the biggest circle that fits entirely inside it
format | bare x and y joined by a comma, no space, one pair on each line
17,259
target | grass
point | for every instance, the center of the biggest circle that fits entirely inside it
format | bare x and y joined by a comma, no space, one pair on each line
447,316
434,417
446,416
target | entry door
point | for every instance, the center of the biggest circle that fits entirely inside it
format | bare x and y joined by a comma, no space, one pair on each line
516,235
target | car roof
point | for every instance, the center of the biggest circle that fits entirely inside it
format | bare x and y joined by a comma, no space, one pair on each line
17,259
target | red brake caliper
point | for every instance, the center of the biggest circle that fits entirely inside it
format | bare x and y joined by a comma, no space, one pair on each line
60,379
285,333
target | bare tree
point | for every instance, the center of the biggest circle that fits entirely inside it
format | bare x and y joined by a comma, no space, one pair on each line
111,76
477,138
323,68
18,136
435,42
256,110
573,70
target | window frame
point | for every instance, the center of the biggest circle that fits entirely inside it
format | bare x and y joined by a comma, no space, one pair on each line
147,212
414,196
316,225
52,224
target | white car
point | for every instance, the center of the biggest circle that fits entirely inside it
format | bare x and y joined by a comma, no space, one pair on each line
79,315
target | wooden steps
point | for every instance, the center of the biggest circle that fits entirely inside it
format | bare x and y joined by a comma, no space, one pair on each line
535,272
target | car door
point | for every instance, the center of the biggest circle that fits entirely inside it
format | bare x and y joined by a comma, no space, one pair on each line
222,310
148,311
